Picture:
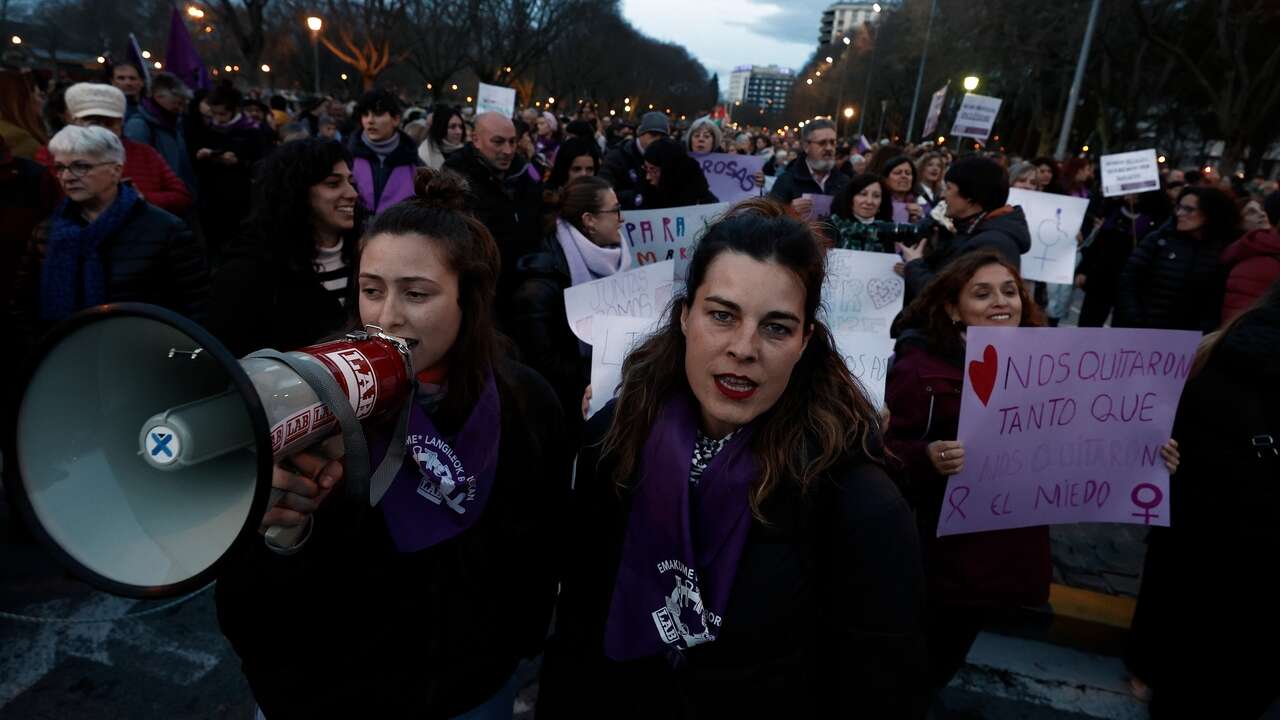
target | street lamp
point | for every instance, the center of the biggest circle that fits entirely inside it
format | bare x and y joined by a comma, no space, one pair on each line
971,83
102,60
847,40
830,60
15,40
158,65
266,68
314,24
848,112
146,54
195,12
866,93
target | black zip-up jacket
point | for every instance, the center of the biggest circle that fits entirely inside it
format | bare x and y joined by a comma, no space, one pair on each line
349,627
823,619
623,168
1172,281
1003,230
797,180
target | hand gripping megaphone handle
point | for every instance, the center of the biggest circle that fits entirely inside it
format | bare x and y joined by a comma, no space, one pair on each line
356,464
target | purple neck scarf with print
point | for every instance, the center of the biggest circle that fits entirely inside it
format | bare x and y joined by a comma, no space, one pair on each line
443,484
683,540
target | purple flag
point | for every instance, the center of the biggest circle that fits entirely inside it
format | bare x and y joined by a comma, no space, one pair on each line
135,57
181,59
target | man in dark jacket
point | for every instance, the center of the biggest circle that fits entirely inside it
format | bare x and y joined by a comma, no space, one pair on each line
813,173
624,165
505,197
385,158
977,190
159,122
226,151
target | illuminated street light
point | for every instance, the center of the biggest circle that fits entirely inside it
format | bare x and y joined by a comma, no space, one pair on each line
808,81
15,40
158,66
101,60
314,23
227,68
453,86
829,60
847,40
971,83
195,12
1084,148
848,112
551,101
1161,159
146,54
344,77
612,113
626,108
266,68
469,98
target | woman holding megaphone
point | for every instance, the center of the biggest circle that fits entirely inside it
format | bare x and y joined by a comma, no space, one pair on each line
422,605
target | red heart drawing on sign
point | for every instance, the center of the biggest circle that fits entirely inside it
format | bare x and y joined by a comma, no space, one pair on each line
982,374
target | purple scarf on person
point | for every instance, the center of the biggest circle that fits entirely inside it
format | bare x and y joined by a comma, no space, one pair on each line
683,542
444,483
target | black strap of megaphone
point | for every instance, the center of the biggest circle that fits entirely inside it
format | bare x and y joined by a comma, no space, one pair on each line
325,386
381,479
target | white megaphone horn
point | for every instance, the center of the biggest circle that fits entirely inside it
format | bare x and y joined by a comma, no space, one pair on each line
145,449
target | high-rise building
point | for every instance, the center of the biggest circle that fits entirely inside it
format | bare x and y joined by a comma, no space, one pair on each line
762,85
844,18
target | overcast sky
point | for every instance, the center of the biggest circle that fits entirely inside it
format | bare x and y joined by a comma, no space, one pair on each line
726,33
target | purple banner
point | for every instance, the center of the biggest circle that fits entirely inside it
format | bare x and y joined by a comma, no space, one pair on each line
731,177
1065,425
181,58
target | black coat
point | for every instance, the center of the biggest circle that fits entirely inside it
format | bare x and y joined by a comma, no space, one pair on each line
541,330
823,618
349,627
1003,230
259,301
797,180
510,206
152,258
1172,281
623,168
1207,602
225,190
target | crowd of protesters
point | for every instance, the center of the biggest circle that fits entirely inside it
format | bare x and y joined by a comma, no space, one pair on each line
801,518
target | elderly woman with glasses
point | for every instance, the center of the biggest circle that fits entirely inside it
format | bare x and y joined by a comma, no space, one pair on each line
104,243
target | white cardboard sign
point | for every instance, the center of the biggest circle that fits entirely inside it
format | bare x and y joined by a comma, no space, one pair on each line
643,293
976,117
862,292
496,98
1054,220
1130,173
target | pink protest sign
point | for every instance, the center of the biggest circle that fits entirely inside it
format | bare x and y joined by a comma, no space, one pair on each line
1064,425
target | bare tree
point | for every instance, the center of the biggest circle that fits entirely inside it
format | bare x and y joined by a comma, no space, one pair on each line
510,36
437,30
367,31
247,20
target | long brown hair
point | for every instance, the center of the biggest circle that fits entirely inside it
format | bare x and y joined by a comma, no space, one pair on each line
18,103
928,312
823,415
438,211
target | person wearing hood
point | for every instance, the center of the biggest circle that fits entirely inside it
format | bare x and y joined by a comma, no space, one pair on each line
159,122
227,148
976,196
505,196
814,172
447,135
624,165
704,136
384,158
672,178
1252,262
1216,555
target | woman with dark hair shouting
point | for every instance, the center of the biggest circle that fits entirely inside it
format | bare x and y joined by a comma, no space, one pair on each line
422,605
742,552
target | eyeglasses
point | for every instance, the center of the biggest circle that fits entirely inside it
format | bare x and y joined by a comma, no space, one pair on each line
612,211
1185,209
77,169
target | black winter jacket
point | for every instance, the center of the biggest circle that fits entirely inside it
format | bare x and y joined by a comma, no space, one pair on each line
823,618
541,330
153,258
350,627
259,301
1004,230
623,168
1172,281
509,205
797,180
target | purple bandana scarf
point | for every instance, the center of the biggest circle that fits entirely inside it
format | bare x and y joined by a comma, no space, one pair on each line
443,485
683,540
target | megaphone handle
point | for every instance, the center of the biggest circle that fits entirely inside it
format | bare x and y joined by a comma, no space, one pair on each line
279,537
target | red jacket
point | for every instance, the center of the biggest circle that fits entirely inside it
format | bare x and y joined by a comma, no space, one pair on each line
150,174
1252,263
997,569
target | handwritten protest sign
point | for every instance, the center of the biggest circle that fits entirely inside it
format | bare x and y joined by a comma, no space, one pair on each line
1130,172
976,117
935,110
867,356
615,337
862,293
821,209
643,293
670,234
1065,425
1053,221
731,177
496,98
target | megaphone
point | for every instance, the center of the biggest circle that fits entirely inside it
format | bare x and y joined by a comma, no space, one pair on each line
145,448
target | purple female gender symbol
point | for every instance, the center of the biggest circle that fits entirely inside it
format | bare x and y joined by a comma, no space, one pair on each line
1156,497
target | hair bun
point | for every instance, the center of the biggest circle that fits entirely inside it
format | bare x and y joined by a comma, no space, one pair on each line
442,189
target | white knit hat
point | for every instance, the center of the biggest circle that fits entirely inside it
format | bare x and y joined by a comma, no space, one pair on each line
85,99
